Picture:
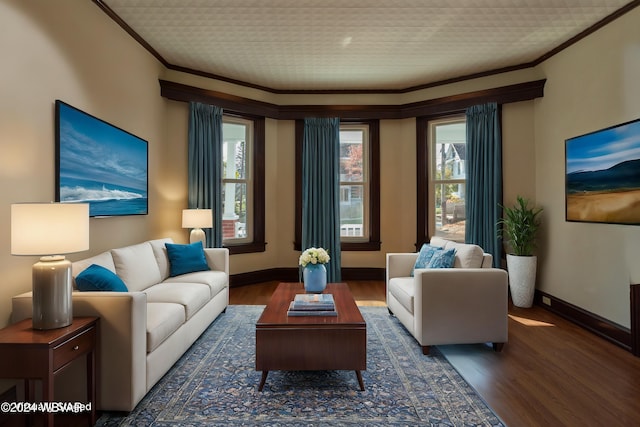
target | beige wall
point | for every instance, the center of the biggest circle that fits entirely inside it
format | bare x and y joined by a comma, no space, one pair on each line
71,50
591,85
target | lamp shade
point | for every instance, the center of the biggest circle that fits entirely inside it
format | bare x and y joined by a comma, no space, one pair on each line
49,228
197,218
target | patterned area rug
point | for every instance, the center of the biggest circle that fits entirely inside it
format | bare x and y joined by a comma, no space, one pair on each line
215,383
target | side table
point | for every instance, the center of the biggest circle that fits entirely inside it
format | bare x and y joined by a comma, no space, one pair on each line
30,354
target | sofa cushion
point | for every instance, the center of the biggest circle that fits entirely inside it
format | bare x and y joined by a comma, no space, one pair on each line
192,296
104,259
160,252
97,278
403,289
186,258
216,280
136,265
424,256
443,259
163,319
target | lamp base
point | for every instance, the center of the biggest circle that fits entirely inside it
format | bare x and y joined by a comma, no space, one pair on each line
197,235
52,306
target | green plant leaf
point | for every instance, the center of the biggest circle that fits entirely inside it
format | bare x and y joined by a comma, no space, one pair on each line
519,226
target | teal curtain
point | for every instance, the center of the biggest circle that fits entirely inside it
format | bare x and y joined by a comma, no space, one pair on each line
484,178
205,165
321,190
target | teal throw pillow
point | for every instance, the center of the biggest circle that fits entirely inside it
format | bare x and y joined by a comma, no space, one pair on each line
424,257
185,259
97,278
443,259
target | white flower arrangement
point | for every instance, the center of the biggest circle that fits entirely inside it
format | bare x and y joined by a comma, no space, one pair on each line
314,256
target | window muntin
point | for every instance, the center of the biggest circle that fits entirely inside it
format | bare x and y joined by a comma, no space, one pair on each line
354,183
447,177
237,188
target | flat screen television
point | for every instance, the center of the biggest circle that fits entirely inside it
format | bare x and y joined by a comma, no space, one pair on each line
99,164
603,175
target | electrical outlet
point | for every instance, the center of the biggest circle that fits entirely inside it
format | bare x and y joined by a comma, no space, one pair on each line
546,300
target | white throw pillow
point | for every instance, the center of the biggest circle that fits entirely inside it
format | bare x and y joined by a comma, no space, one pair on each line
137,266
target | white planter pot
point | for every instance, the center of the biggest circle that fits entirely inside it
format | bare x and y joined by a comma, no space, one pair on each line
522,279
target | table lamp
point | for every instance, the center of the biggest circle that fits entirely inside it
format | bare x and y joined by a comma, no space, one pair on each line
50,230
197,219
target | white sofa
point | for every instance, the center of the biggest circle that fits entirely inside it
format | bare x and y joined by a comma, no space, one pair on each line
461,305
144,331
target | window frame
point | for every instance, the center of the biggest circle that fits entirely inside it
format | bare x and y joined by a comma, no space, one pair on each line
372,243
256,242
425,208
247,180
364,183
459,118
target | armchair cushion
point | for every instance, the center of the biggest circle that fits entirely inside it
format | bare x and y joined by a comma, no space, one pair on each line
403,289
427,252
443,259
467,255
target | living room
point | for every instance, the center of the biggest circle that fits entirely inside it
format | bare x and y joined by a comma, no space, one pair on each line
73,51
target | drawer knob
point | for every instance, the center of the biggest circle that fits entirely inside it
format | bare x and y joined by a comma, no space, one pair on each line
76,347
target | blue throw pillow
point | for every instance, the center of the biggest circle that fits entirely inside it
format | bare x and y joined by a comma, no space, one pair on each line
97,278
443,259
424,257
185,259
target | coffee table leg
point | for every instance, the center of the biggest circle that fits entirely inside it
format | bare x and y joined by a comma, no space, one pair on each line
263,379
359,375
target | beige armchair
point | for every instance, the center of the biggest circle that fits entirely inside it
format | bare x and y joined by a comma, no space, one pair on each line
465,304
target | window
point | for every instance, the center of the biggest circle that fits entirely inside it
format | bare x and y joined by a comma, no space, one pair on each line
359,185
354,185
242,203
447,177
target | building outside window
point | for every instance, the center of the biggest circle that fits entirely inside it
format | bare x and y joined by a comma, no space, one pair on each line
447,177
354,185
237,197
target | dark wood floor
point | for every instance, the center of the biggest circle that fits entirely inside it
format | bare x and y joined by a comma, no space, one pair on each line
550,373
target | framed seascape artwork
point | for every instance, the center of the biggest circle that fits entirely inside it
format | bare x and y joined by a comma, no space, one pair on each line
99,164
603,175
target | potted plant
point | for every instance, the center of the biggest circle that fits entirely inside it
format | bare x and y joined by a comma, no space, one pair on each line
518,228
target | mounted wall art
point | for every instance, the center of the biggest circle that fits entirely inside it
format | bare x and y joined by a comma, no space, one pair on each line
603,175
99,163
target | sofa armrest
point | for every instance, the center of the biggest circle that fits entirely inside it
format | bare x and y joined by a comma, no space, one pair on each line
122,342
400,264
458,305
218,259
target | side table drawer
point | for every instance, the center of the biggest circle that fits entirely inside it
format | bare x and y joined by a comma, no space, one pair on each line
73,348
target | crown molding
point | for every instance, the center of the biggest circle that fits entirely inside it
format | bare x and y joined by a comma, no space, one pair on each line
455,103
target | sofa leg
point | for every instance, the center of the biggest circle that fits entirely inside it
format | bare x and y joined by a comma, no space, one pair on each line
426,349
497,346
390,312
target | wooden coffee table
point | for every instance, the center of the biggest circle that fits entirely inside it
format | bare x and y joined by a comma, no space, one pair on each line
311,343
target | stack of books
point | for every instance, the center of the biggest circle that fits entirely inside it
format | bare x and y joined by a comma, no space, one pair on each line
312,305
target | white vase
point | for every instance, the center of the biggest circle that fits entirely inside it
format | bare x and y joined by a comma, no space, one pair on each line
522,279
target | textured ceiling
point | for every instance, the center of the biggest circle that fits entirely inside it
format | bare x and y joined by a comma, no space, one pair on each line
355,44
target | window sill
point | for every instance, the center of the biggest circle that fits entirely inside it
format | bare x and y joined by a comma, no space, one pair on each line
246,248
